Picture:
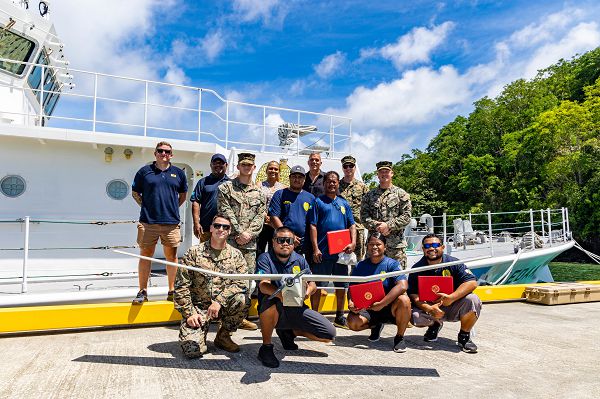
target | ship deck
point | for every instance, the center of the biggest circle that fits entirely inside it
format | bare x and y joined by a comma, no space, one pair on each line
524,350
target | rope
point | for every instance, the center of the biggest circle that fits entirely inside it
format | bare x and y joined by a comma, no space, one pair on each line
592,255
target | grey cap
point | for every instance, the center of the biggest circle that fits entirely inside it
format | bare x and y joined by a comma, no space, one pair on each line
297,169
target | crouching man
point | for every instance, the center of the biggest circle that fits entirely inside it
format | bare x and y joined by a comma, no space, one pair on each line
201,298
289,321
461,305
394,308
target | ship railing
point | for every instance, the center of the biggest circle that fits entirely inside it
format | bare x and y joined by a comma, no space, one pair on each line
527,230
106,103
27,221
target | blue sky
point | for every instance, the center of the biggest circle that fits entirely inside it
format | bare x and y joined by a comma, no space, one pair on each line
400,69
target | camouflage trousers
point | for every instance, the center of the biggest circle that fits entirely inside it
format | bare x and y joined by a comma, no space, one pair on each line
249,255
361,247
193,340
399,254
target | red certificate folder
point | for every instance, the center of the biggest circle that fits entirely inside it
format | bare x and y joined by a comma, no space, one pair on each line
429,286
338,240
364,295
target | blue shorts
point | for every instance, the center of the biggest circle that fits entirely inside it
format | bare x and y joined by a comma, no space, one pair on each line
329,268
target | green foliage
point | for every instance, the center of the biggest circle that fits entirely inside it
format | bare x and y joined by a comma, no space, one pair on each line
536,145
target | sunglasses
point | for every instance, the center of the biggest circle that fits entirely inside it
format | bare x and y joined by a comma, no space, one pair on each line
218,226
347,166
432,245
284,240
160,151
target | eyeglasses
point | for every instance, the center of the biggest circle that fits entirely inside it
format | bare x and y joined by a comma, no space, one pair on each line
348,166
160,151
218,226
284,240
432,245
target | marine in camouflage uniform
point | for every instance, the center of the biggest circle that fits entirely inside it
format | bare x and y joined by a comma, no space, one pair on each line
390,205
354,192
246,206
195,292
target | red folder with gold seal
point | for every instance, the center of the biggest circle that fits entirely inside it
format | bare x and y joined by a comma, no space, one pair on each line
430,286
366,294
338,240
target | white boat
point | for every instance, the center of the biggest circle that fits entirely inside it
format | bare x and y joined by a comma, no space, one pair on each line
72,144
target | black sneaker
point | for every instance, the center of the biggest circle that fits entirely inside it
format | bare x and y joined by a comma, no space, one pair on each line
141,297
267,357
170,296
287,339
399,344
431,335
465,343
376,332
340,322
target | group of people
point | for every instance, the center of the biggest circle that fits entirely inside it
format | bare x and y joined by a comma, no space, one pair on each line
271,229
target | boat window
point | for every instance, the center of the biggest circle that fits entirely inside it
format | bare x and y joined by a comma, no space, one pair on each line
14,47
117,189
51,89
12,186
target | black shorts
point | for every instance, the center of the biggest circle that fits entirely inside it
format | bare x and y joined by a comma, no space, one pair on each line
329,268
383,316
299,318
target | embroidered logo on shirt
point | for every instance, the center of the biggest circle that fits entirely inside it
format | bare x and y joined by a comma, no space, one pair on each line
343,209
173,175
306,206
296,269
446,272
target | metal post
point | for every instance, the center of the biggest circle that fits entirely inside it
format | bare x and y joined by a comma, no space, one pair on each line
542,222
464,235
199,114
42,96
532,228
95,101
567,219
445,227
146,111
25,255
471,219
564,224
490,230
549,227
227,124
264,128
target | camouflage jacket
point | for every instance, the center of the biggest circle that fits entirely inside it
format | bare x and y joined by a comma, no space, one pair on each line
194,289
246,206
392,206
353,193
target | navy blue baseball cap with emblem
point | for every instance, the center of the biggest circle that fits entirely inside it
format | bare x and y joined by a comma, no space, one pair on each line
218,157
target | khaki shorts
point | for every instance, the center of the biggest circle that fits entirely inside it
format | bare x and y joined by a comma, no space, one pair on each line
148,234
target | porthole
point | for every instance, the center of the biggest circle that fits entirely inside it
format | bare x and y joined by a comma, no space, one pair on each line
117,189
12,186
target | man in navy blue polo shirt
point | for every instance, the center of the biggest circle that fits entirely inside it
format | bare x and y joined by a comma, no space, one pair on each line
289,207
330,212
204,197
160,189
289,321
462,305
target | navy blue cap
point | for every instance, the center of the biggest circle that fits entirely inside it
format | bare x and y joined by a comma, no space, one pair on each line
219,157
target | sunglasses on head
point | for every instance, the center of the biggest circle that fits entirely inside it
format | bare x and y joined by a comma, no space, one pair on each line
218,226
284,240
160,151
347,166
432,245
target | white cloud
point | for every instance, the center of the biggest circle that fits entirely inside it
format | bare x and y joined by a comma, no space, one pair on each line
546,29
330,64
212,45
368,150
413,47
271,12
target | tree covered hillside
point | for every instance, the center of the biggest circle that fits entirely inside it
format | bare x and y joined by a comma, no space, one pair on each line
536,145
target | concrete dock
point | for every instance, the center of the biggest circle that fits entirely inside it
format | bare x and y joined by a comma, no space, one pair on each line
524,351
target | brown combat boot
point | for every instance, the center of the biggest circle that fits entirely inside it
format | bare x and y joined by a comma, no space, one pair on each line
223,341
248,325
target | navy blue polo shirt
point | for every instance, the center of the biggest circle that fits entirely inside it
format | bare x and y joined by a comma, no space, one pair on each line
387,265
460,273
329,215
160,193
205,193
267,263
291,208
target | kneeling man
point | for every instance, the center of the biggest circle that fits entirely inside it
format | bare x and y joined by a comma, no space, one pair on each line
462,305
201,298
394,308
290,321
